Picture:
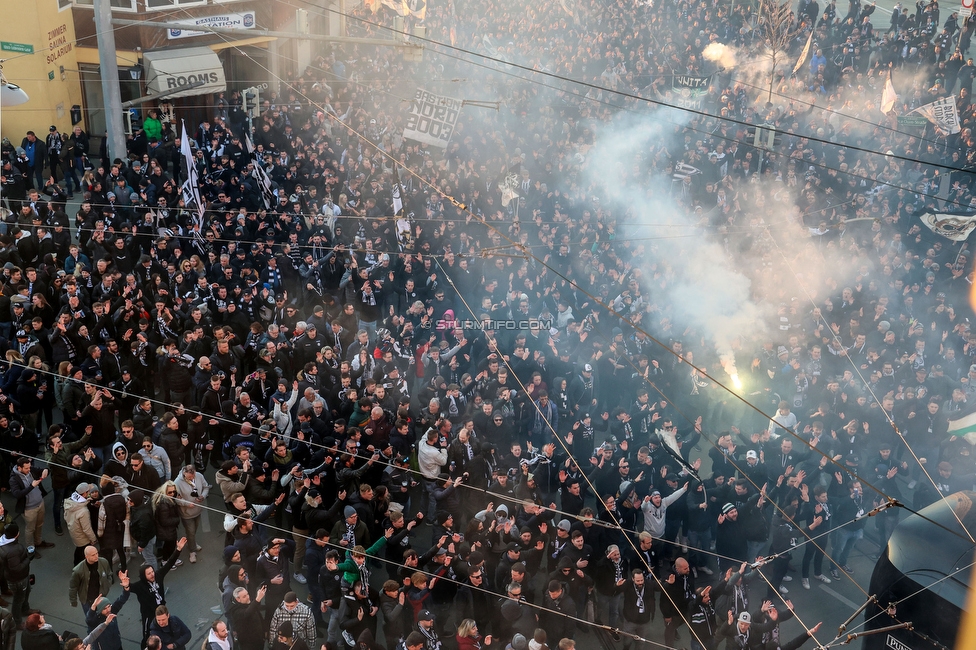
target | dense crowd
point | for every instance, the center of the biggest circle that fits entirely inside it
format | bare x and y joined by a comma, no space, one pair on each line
576,457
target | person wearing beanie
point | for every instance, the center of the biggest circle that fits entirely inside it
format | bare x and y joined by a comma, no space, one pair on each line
285,639
15,561
350,531
519,642
98,613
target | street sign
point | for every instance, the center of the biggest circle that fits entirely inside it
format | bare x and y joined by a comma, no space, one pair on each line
23,48
912,120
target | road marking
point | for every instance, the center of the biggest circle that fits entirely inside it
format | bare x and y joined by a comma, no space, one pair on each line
847,601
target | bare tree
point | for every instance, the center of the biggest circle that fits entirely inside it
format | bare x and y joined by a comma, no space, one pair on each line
777,27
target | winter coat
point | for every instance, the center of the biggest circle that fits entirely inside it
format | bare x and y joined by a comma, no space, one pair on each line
189,507
167,518
111,520
78,521
78,584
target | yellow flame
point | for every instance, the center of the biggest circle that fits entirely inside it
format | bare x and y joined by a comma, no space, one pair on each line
736,381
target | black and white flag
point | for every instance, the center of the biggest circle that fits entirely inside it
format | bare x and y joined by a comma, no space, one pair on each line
191,187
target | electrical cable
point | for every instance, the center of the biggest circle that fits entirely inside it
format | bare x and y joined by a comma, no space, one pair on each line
591,85
870,389
343,549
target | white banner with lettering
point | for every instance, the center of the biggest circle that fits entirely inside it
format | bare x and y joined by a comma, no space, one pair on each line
183,28
432,118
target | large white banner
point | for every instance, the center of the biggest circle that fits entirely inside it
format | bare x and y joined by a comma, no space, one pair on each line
180,29
432,118
942,113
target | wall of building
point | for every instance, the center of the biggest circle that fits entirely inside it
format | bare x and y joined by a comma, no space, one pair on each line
49,32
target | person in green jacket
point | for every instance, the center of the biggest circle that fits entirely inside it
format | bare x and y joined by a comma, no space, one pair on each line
80,588
152,126
354,568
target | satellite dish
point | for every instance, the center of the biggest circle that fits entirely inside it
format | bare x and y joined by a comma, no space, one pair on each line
11,94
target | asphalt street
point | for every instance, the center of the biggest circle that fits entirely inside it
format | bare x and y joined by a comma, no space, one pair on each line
192,592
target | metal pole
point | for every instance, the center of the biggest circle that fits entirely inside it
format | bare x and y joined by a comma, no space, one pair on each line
111,92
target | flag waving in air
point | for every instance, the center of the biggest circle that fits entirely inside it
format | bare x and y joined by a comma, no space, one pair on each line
888,96
191,187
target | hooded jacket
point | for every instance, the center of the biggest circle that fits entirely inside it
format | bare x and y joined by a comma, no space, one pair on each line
78,520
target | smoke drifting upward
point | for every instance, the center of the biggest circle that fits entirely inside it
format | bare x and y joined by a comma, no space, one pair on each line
703,291
721,54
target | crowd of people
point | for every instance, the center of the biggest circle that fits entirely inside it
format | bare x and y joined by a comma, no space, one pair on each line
481,421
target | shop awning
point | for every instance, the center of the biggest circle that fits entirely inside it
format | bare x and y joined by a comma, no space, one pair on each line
169,69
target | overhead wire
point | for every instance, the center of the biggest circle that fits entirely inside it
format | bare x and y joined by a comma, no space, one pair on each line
573,284
649,570
867,385
590,85
344,549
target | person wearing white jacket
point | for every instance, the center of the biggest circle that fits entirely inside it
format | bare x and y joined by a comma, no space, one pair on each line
431,457
192,490
282,411
655,508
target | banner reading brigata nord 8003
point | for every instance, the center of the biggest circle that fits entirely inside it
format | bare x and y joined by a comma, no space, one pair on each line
432,118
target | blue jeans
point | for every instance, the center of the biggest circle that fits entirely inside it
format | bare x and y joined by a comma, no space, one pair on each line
149,554
844,540
70,177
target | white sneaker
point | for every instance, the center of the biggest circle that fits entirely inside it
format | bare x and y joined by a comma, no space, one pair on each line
783,590
805,583
912,484
787,578
193,558
824,579
299,578
198,548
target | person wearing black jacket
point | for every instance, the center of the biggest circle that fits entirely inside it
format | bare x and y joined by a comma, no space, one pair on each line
678,590
15,561
247,619
849,509
638,607
151,592
558,608
785,537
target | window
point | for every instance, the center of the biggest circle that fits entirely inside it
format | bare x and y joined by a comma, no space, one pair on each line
63,4
157,5
117,5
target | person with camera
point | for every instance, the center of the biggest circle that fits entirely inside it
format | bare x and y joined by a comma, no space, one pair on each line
15,560
25,486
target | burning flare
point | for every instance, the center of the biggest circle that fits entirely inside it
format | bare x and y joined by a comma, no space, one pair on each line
728,364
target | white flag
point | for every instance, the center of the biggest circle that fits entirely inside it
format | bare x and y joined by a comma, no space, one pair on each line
683,171
804,54
951,225
397,192
508,188
942,113
888,96
191,188
264,183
